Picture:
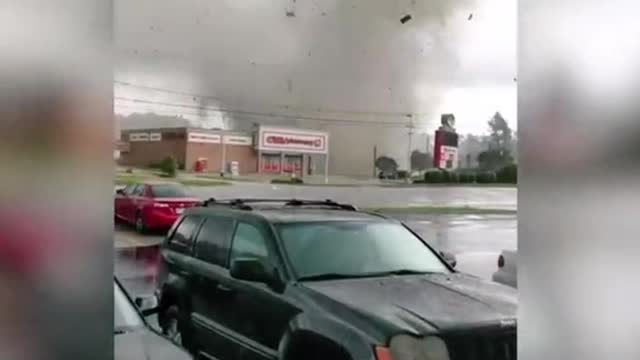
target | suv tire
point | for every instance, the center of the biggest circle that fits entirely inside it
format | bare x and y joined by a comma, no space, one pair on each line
177,327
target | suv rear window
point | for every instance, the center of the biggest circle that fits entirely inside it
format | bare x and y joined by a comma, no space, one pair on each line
182,239
168,191
248,241
212,242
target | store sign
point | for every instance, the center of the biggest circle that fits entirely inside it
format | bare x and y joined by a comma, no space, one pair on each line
139,137
237,140
155,136
293,141
448,157
204,138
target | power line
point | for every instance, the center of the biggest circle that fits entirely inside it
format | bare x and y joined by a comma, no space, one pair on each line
124,83
287,107
256,113
180,113
169,112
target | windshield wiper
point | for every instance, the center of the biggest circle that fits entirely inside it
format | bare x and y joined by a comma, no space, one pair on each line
404,272
338,276
331,276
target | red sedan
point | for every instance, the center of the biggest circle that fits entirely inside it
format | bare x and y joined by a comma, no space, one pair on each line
152,205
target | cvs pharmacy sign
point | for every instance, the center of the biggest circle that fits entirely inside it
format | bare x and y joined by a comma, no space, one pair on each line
300,141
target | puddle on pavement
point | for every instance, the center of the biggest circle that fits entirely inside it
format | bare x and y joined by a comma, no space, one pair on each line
137,268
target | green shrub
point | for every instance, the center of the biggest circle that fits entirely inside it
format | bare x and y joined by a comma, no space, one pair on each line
487,177
450,177
508,174
445,176
290,181
433,177
467,178
169,166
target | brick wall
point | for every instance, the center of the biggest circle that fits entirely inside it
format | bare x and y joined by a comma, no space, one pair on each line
174,143
212,152
246,156
145,153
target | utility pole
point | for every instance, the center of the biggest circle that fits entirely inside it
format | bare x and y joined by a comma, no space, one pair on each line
410,127
375,157
428,144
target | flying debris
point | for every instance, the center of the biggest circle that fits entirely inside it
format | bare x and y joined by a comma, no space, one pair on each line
470,16
405,19
515,79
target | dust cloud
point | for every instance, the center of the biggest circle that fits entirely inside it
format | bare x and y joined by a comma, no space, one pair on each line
349,67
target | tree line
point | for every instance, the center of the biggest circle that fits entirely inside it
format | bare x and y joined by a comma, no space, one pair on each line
485,152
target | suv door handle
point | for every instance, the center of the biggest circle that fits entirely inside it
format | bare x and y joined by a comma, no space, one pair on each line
224,289
184,273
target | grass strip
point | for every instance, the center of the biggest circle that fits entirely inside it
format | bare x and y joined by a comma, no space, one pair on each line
199,182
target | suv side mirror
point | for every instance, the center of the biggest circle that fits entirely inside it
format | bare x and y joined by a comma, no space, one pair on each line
250,269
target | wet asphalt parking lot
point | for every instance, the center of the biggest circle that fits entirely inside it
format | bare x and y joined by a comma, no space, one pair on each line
373,196
476,240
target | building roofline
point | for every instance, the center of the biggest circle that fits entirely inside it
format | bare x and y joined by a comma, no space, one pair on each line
188,129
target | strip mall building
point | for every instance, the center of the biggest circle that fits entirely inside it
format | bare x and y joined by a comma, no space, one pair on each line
272,150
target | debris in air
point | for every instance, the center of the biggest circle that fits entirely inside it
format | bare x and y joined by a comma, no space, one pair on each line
515,79
291,13
405,19
470,16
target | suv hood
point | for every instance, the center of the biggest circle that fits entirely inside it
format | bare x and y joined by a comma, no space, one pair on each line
421,303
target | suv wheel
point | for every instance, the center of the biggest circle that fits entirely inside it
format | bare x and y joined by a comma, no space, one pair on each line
176,327
170,328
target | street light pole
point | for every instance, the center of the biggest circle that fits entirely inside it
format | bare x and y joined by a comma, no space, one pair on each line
410,127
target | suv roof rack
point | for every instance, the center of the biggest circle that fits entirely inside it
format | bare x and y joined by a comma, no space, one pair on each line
244,204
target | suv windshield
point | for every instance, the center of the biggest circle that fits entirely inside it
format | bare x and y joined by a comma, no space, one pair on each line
354,249
126,316
168,191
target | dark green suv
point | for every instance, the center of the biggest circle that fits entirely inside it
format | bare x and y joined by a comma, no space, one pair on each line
291,279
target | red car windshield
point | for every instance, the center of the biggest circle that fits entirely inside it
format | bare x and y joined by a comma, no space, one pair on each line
168,191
